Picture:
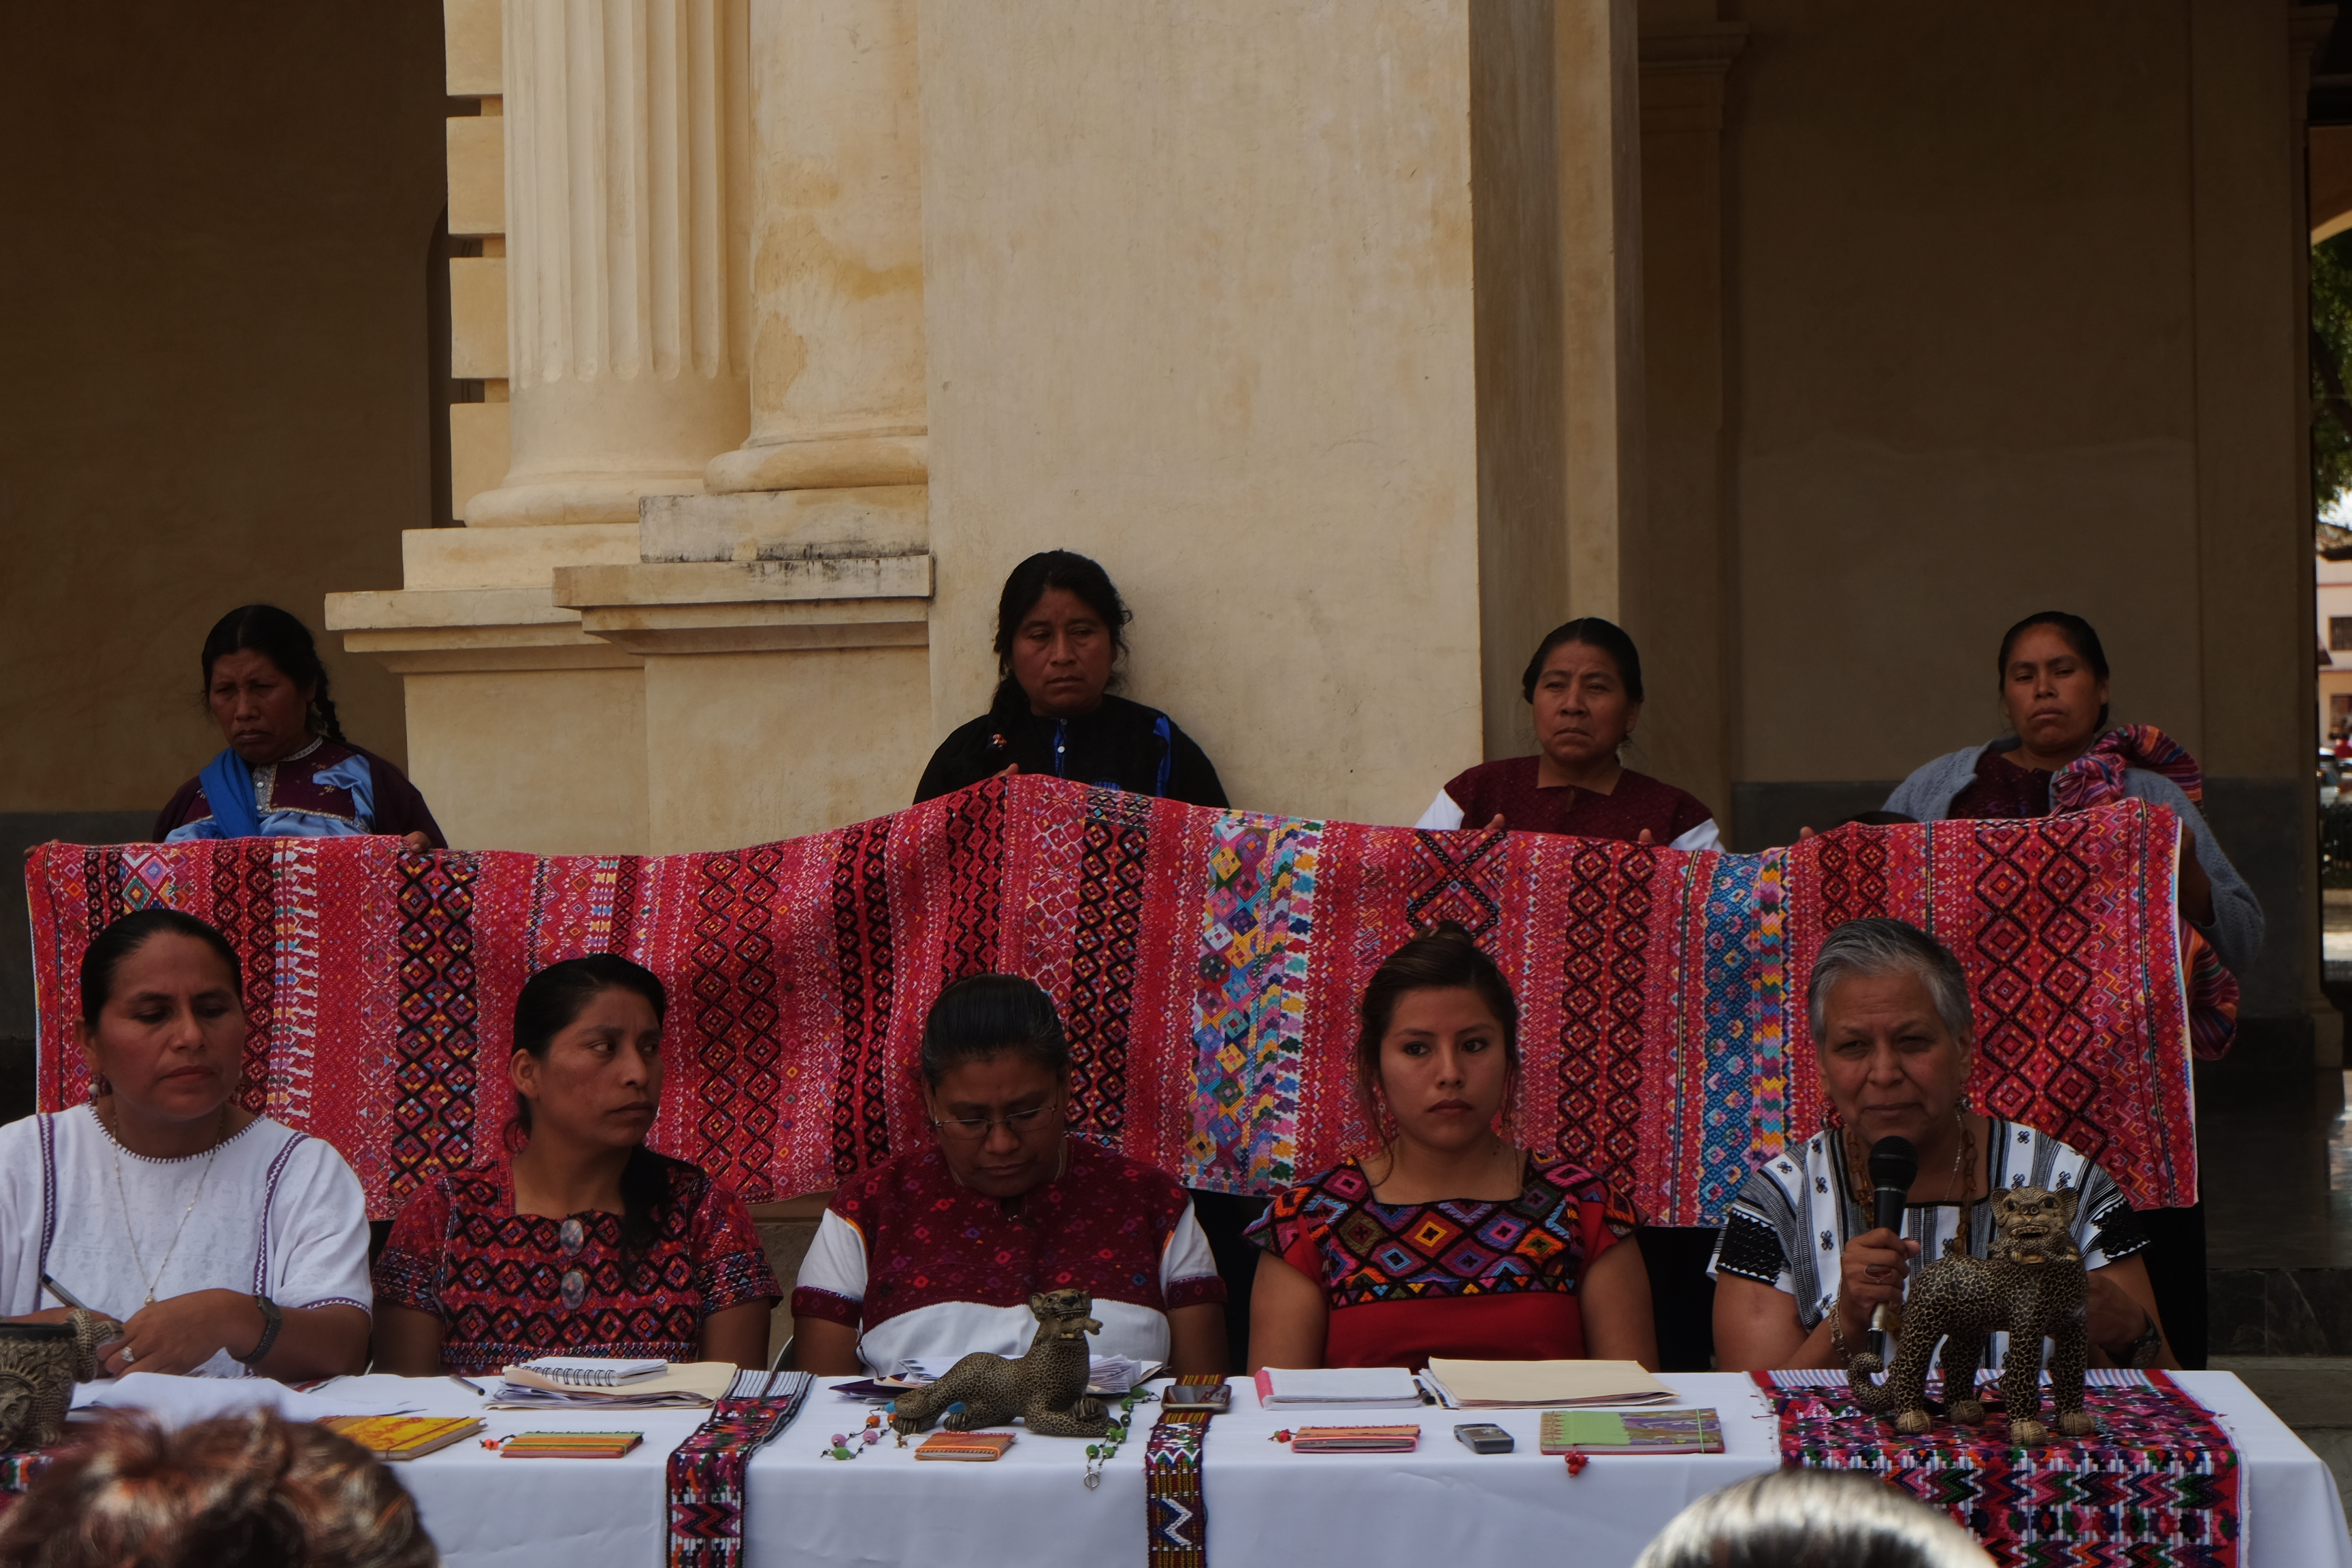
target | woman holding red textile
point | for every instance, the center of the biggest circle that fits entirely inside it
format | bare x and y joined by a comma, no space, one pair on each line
1448,1240
2060,755
1585,686
937,1254
619,1251
288,772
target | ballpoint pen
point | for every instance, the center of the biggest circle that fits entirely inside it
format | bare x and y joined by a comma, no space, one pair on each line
62,1294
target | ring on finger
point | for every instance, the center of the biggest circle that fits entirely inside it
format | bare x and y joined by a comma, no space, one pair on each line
127,1356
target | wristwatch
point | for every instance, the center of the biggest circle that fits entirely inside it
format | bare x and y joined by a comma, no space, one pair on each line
2145,1350
272,1320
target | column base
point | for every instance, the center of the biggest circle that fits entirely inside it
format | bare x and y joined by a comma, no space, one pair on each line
562,501
841,462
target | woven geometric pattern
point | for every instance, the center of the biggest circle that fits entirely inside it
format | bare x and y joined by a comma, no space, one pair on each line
1175,1512
706,1471
2156,1486
1208,965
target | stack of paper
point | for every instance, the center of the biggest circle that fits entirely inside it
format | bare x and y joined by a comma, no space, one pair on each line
1362,1387
1631,1431
1520,1385
1105,1373
1355,1439
689,1384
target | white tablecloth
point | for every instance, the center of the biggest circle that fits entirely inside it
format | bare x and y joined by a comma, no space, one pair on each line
1441,1505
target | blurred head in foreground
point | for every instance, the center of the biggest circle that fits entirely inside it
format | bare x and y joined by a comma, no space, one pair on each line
252,1490
1812,1519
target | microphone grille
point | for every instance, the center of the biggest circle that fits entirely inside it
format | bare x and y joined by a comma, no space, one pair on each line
1894,1163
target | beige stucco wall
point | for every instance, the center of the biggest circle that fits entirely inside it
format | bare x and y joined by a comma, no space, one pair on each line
1966,369
213,375
1198,295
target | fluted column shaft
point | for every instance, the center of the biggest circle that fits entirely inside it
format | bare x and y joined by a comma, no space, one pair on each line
627,132
837,358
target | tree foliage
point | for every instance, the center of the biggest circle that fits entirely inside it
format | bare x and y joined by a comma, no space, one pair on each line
2331,371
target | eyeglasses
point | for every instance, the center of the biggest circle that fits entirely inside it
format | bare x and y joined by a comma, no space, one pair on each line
1021,1123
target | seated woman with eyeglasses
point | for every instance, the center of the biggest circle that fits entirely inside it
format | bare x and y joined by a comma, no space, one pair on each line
585,1242
936,1253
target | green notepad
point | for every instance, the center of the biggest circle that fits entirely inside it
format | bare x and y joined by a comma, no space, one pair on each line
1633,1432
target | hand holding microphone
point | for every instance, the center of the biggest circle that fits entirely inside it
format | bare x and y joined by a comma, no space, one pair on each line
1894,1166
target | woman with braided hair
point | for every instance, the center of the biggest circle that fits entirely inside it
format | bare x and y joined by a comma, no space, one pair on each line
287,771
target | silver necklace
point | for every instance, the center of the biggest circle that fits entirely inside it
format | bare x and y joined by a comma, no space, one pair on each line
153,1282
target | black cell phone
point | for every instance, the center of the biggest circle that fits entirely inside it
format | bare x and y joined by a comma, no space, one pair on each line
1216,1397
1484,1437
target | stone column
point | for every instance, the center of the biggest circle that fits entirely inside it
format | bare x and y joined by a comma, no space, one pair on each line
837,360
625,169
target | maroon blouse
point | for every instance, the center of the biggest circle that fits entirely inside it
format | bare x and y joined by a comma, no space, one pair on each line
1638,802
2002,790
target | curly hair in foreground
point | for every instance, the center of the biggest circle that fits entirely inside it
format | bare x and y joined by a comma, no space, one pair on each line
253,1491
1810,1519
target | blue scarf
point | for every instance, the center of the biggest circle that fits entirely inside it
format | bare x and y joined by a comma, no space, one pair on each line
229,789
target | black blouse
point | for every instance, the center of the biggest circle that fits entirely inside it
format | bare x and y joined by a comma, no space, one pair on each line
1120,745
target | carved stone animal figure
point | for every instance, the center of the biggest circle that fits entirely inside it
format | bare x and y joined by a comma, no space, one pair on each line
1047,1388
39,1365
2032,1285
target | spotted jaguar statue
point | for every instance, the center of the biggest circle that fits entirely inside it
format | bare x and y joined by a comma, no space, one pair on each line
2030,1285
39,1365
1047,1388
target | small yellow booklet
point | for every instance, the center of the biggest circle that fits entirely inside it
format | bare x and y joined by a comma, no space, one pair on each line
404,1436
1506,1385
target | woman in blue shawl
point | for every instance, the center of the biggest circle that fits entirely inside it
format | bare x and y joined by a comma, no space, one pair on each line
287,772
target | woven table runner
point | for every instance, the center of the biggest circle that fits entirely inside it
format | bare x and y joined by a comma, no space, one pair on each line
1207,965
1176,1516
2156,1484
706,1471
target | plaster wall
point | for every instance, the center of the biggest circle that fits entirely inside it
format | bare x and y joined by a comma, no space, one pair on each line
751,747
548,761
1198,301
1964,368
213,372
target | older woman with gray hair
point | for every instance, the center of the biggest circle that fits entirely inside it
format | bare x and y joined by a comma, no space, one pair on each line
1804,1519
1798,1267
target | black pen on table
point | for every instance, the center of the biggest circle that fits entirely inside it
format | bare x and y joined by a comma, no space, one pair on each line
62,1294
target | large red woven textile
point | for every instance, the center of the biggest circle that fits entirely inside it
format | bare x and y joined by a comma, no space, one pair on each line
1207,965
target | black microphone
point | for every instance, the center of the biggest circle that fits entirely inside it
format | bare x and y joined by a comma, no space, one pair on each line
1894,1166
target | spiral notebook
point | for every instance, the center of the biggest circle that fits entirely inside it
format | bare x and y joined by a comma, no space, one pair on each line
692,1384
591,1371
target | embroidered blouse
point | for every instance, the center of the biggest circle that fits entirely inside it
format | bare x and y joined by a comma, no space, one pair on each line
925,1267
1475,1278
326,790
270,1211
497,1279
1676,818
1791,1221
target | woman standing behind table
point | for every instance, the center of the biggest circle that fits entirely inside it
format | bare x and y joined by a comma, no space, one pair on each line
287,772
587,1242
225,1243
2060,755
1448,1240
938,1252
1060,630
1585,686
